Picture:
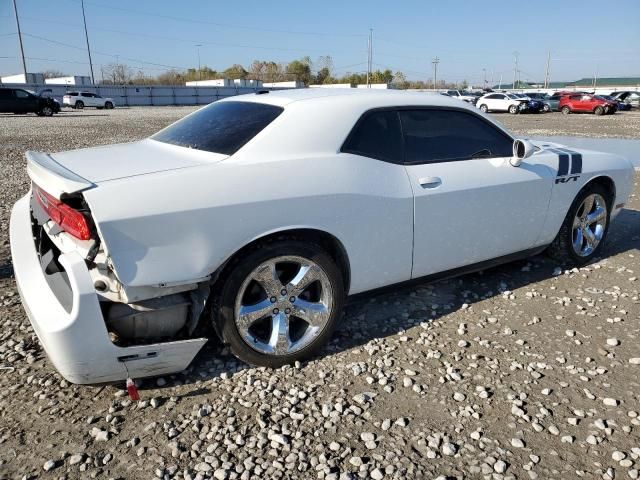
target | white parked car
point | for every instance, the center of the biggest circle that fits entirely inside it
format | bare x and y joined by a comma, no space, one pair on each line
80,100
501,102
461,95
256,216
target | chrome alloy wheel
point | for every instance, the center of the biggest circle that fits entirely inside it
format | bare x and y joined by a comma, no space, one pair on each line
589,225
283,305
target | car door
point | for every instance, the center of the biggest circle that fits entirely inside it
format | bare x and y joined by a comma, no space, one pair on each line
6,100
471,204
501,103
25,102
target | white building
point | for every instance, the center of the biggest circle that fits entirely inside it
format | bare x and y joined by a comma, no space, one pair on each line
331,85
382,86
220,82
73,80
291,84
20,78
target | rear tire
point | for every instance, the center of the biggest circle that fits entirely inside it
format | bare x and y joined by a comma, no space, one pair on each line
272,337
564,247
598,111
79,105
566,110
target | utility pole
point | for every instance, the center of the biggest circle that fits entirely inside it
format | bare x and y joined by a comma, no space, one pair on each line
515,70
484,73
369,58
435,63
199,69
86,36
595,80
24,63
546,74
500,83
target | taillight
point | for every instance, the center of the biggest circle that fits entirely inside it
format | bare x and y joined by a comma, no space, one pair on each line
71,221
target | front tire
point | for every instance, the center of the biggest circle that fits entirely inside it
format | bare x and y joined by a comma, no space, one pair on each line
279,303
108,105
585,227
546,108
513,109
598,111
45,111
484,108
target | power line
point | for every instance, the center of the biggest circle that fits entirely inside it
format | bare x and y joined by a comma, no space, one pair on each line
147,14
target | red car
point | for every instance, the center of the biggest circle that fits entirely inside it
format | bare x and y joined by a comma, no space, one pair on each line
585,103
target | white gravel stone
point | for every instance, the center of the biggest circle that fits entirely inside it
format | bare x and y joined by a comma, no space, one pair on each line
517,443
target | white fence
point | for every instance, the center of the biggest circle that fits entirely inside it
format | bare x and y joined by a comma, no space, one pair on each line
141,95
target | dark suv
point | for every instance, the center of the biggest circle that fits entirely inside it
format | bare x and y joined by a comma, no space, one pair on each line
19,100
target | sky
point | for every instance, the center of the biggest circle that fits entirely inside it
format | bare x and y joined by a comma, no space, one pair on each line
471,39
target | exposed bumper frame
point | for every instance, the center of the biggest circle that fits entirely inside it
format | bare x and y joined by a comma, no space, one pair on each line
77,342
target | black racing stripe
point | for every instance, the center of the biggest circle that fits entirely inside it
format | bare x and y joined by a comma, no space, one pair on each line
563,164
576,163
576,160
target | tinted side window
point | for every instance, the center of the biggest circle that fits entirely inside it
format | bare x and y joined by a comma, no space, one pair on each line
21,94
446,135
5,94
377,135
494,96
222,127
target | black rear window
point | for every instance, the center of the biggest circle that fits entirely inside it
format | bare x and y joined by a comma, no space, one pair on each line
222,127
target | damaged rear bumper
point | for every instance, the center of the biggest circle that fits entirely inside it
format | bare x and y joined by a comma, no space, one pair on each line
73,331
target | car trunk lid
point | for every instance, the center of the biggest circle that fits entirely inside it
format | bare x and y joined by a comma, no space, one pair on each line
78,170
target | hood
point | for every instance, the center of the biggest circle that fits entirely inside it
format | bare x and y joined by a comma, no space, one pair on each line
111,162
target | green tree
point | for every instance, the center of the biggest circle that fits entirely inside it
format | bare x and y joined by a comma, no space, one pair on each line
235,71
301,70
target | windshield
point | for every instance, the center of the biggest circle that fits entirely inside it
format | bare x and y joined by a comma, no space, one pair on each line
222,127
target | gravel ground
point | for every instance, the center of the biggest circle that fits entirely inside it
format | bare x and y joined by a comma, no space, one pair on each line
523,371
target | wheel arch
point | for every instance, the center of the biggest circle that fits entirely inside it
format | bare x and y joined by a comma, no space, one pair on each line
605,182
331,244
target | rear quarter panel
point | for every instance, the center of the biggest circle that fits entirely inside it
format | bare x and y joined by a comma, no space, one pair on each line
179,226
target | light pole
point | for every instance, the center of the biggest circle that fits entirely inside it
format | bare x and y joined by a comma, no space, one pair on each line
435,62
86,36
24,63
199,69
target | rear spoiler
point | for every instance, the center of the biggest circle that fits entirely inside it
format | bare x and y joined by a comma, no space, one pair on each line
48,174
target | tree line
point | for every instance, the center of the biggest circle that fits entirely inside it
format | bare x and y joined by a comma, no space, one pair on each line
304,70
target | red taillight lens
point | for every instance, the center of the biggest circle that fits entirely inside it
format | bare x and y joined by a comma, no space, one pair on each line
70,220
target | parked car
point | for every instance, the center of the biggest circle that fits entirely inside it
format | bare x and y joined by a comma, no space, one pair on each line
501,102
553,102
80,100
256,216
48,93
620,105
586,103
20,100
632,98
533,105
462,95
544,99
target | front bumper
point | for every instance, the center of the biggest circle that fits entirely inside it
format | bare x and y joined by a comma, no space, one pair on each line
75,336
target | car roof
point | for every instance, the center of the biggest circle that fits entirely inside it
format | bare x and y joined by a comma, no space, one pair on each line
369,97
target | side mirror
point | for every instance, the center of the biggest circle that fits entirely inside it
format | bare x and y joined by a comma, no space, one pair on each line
521,149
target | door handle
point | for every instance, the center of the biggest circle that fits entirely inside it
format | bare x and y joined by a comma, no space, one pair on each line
430,182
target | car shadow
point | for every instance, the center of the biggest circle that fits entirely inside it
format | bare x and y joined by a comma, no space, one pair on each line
378,315
6,270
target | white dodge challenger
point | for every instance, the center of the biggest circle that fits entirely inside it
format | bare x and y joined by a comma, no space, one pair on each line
254,217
